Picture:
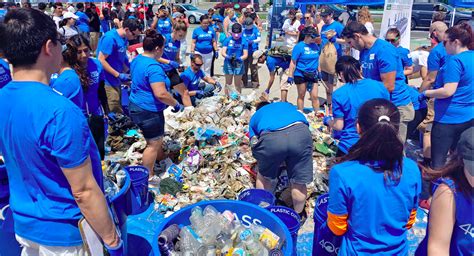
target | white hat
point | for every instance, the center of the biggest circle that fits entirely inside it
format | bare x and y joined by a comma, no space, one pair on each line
68,15
256,55
71,9
131,9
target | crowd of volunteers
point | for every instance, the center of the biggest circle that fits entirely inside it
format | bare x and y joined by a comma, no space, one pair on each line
64,68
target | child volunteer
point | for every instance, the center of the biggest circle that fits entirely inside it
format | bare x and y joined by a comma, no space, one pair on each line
149,97
347,100
373,190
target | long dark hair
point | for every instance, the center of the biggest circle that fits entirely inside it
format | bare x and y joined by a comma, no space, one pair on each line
70,56
454,170
349,68
152,40
379,121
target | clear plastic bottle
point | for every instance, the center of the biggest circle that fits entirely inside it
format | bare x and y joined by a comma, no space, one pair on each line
251,243
189,241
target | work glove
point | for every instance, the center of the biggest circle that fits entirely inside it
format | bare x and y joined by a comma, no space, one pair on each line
199,94
216,55
115,251
174,64
124,77
267,91
327,119
422,97
290,80
208,94
177,108
218,86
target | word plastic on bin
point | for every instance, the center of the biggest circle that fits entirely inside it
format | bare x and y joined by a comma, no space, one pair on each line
137,169
281,210
248,220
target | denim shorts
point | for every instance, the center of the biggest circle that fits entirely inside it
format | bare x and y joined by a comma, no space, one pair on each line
292,145
151,123
236,70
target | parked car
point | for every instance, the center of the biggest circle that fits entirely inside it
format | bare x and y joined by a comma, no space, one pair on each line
422,14
241,3
192,12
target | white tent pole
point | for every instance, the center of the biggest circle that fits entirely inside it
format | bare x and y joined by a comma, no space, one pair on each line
453,16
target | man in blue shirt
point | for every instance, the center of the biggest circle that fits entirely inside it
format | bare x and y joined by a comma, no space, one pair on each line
83,21
380,61
112,51
192,80
52,162
279,133
437,56
161,22
276,64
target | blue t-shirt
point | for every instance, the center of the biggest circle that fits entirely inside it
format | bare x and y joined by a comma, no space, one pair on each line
171,50
83,22
437,57
145,71
164,26
104,25
251,35
191,79
274,116
414,94
274,62
91,95
458,108
218,17
378,210
381,58
42,133
336,26
204,39
404,54
306,57
113,45
346,102
68,85
235,47
5,74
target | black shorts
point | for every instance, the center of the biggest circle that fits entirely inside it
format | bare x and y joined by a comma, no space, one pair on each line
174,77
151,123
300,80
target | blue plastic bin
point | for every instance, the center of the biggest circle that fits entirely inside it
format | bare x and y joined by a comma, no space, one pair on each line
8,244
121,204
325,243
291,220
247,213
257,197
139,188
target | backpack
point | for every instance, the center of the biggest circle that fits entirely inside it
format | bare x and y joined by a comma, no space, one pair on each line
328,58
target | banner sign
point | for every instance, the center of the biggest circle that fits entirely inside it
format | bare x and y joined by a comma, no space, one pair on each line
397,14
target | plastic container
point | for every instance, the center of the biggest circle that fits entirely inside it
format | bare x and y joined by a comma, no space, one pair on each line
121,202
325,243
258,197
8,244
291,220
247,213
139,187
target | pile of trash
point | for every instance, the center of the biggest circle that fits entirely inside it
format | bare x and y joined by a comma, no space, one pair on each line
209,154
215,233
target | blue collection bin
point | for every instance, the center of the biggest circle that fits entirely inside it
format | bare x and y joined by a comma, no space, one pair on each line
257,196
121,204
291,219
325,243
8,244
140,200
247,213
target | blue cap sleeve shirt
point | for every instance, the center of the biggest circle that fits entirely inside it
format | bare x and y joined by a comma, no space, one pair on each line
192,79
146,71
437,57
337,27
47,132
170,52
273,117
346,102
68,85
377,210
414,94
164,26
235,47
274,62
91,95
5,74
405,56
83,22
204,39
458,108
113,45
382,58
306,57
251,35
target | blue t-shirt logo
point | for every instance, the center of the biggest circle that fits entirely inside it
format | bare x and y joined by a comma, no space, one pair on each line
94,77
308,50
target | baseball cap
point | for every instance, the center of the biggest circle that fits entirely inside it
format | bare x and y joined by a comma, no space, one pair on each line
162,7
71,9
177,15
438,26
236,28
256,55
325,12
466,148
236,6
68,15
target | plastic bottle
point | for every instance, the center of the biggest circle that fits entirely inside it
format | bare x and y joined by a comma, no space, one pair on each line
189,241
250,243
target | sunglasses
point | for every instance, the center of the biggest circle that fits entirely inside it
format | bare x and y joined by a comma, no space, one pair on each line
307,18
314,36
198,64
392,40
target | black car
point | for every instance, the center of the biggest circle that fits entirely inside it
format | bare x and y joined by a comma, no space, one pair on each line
423,12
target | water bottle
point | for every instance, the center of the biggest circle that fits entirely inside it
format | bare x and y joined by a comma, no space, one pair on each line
189,241
251,244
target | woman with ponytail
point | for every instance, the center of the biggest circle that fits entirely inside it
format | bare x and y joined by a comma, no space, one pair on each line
373,190
454,93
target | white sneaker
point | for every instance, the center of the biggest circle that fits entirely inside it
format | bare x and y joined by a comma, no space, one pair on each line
154,181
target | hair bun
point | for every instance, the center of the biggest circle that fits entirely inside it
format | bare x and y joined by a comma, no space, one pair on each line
150,33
